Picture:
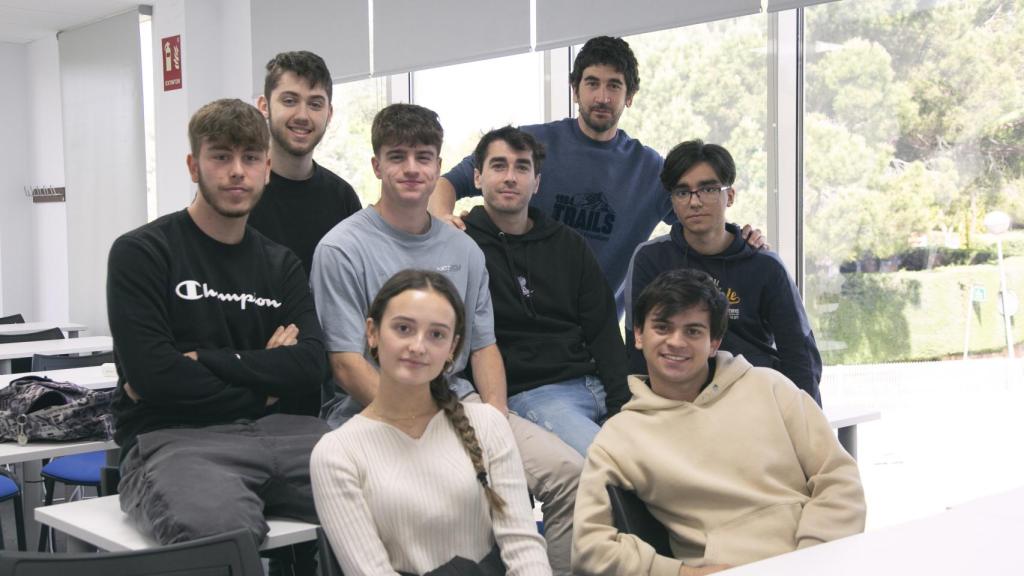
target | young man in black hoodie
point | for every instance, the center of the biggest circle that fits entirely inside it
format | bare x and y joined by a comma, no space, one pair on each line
554,314
767,321
213,324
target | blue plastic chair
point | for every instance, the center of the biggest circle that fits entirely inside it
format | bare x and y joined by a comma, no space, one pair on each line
9,490
75,470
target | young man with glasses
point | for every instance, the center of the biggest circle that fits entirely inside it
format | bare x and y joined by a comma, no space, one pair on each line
767,321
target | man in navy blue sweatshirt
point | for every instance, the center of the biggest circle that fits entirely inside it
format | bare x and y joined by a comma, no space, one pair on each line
767,321
600,182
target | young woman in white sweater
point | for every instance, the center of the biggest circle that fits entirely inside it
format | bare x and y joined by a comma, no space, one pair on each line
418,478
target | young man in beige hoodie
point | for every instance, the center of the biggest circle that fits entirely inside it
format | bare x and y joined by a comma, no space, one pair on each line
735,461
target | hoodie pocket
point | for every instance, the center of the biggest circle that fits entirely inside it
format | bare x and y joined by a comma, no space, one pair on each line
760,534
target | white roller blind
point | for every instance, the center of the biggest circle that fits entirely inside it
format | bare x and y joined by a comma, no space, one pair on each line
337,30
565,22
779,5
413,34
104,153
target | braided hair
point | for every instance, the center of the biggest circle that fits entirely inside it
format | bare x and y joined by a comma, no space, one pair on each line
441,393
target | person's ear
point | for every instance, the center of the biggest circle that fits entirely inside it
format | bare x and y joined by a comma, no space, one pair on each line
263,106
375,163
371,333
638,338
476,178
193,167
714,346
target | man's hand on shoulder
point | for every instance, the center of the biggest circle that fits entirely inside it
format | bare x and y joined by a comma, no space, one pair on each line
454,220
284,336
755,238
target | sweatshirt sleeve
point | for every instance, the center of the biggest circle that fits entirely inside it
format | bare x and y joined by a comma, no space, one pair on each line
787,319
836,507
343,512
284,371
522,547
599,549
146,349
642,271
601,330
461,178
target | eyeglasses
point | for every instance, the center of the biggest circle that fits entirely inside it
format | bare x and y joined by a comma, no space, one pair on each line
710,191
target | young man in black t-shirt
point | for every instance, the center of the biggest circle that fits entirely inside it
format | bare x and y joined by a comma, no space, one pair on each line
213,324
303,200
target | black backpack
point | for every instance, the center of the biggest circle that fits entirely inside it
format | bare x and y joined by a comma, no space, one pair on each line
38,408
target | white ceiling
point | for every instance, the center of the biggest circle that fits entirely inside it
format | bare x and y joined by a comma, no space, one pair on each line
27,20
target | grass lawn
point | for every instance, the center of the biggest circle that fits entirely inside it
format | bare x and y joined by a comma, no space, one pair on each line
867,318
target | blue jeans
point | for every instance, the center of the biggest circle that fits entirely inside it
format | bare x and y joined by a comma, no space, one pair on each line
573,409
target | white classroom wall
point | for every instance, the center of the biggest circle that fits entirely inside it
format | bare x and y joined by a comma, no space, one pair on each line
216,63
46,166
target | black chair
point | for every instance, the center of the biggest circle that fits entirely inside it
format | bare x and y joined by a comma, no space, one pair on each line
43,362
110,477
25,364
10,491
230,554
12,319
631,516
328,561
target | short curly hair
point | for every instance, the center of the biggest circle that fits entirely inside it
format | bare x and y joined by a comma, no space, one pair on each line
609,51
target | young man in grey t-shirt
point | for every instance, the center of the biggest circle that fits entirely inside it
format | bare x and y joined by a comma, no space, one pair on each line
355,258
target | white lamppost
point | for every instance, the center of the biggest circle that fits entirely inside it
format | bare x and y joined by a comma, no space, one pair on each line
998,223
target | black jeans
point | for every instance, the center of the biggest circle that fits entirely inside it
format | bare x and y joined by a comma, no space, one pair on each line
181,484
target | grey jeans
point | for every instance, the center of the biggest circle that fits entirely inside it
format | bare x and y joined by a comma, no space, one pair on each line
185,483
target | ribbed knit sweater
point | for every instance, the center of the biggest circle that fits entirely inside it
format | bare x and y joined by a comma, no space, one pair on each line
389,502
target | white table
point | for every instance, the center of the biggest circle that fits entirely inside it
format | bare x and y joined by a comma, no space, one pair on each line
99,522
28,457
71,328
979,537
92,377
845,420
28,460
85,345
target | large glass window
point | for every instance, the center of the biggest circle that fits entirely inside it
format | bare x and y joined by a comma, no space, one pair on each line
346,148
913,131
474,97
708,81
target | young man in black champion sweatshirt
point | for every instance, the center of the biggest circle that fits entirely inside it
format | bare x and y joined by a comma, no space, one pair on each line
767,321
554,313
213,324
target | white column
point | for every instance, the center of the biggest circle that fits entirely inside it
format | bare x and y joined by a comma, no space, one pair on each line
216,46
16,258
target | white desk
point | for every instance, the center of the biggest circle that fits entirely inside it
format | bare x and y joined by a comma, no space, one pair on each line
845,419
28,457
979,537
72,329
84,345
28,463
99,522
92,377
